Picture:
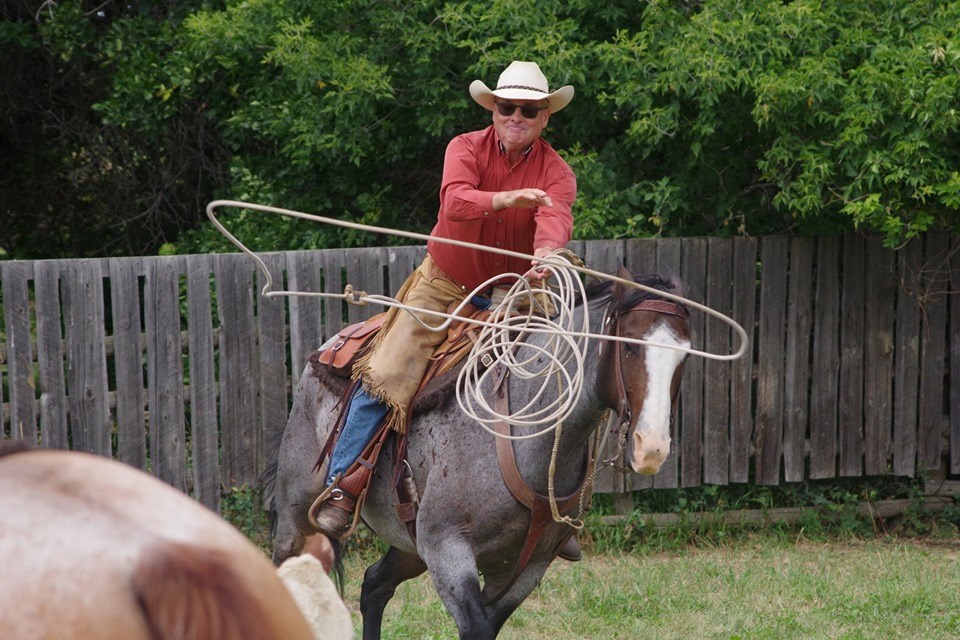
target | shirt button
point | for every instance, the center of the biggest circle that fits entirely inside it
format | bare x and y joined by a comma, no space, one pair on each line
486,213
499,219
497,243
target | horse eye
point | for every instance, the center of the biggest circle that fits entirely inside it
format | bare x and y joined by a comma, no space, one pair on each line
629,348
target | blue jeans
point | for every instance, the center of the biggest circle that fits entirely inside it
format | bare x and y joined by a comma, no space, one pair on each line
363,418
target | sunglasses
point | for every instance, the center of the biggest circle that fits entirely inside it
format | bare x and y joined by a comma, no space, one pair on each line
507,109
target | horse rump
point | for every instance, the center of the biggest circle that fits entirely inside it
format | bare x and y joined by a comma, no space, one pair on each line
189,592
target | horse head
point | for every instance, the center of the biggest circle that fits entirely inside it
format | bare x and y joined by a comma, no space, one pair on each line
642,382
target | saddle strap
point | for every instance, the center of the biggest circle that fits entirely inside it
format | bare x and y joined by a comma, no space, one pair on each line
541,515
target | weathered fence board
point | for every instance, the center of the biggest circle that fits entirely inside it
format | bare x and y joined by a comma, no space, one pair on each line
906,373
741,387
50,356
795,387
933,340
716,374
854,354
238,381
826,360
204,431
768,434
23,416
83,319
128,360
366,265
850,416
335,312
879,291
274,379
305,273
689,445
954,350
161,309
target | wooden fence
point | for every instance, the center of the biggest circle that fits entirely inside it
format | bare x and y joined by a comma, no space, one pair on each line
177,365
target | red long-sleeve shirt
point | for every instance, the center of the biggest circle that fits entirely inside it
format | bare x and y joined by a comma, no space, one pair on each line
474,170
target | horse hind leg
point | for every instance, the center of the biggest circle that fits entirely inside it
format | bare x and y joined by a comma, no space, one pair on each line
380,582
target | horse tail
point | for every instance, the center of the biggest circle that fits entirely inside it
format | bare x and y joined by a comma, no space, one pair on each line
268,491
338,570
190,592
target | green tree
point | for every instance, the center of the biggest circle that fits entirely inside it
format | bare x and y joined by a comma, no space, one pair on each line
718,117
72,183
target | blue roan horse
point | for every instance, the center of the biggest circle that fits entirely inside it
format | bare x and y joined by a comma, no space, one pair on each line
468,524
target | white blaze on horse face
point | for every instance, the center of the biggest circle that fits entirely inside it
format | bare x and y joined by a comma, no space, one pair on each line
651,432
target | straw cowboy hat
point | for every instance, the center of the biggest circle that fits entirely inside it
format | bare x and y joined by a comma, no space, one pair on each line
521,81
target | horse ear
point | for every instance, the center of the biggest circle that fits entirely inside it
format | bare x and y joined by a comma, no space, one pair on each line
676,284
623,273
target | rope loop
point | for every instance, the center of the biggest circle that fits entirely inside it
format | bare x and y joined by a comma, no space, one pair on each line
354,297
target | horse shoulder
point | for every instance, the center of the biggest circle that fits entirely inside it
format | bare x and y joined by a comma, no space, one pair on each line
188,592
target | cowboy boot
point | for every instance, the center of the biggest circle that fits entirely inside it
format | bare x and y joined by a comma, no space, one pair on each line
334,518
570,550
335,512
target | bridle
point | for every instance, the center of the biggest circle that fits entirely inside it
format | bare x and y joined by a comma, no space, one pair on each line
624,413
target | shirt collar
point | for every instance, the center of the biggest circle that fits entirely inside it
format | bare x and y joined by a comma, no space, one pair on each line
504,149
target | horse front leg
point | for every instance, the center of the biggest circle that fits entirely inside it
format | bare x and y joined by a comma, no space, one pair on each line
453,568
499,611
380,582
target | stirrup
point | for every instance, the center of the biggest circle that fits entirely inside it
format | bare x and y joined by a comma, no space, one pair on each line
347,503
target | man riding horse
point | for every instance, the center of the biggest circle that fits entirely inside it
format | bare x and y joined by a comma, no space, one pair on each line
503,186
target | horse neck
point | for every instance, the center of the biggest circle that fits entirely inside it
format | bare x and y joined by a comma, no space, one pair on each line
580,424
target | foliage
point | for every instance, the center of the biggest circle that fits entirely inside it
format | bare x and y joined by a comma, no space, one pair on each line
829,512
241,507
717,117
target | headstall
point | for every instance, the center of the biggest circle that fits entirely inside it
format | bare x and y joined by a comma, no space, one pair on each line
656,305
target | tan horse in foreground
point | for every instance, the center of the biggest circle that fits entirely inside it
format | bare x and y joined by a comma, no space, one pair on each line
94,549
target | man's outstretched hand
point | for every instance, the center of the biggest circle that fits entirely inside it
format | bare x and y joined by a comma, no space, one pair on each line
523,198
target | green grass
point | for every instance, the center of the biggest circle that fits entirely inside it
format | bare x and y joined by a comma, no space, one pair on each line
758,588
834,574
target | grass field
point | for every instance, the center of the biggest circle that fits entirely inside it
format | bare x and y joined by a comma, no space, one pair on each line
834,574
762,587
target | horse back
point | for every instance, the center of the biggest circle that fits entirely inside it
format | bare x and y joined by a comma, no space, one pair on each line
93,549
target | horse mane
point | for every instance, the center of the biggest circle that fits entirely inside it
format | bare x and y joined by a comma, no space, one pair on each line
605,290
189,592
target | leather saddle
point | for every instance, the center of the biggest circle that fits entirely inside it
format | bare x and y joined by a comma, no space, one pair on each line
336,357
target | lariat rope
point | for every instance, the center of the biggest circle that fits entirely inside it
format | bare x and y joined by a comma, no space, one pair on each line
547,261
501,341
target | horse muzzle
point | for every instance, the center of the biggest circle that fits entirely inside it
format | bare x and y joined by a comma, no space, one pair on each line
649,451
